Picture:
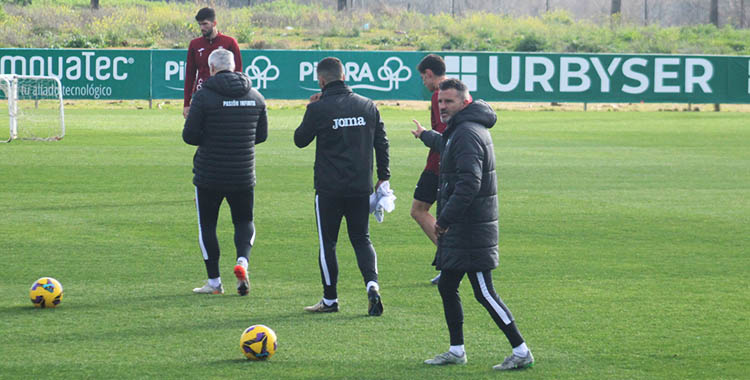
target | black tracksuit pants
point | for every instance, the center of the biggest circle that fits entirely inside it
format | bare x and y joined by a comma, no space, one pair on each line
207,203
329,210
484,292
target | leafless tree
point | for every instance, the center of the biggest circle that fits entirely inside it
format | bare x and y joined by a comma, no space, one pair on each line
714,16
616,7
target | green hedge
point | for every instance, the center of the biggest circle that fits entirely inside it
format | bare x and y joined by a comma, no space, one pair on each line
284,24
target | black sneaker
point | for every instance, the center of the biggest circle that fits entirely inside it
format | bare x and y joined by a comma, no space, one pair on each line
376,305
321,307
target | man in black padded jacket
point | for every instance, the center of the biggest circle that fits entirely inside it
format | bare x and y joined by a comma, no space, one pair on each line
466,223
227,118
346,127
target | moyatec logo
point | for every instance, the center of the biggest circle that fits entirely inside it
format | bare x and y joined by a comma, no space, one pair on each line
463,68
83,66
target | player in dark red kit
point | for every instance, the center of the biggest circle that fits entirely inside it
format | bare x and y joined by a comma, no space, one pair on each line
432,71
196,68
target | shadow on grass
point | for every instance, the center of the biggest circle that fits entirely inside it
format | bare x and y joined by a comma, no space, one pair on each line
97,206
239,361
18,309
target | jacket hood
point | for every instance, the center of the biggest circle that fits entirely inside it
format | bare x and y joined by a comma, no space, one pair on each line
231,84
478,112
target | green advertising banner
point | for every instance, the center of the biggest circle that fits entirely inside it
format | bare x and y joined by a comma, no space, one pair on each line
290,74
86,74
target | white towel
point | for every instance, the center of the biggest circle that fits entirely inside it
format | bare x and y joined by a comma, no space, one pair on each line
382,200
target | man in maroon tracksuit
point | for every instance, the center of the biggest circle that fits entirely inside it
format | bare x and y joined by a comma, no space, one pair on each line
196,69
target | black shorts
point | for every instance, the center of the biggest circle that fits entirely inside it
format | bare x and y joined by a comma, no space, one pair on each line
427,187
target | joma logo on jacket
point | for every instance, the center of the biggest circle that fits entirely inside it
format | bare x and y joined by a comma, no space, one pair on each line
349,122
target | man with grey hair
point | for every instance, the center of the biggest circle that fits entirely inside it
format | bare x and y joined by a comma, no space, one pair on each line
227,118
466,225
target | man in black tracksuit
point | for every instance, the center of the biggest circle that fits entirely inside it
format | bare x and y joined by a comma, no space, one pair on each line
466,223
346,127
227,118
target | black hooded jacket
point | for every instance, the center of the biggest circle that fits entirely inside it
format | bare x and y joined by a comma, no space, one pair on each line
227,119
346,127
467,197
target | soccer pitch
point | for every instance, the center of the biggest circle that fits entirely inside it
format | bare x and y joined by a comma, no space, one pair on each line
623,254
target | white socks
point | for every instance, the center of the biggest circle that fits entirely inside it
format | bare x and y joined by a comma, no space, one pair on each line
372,284
214,282
521,350
458,350
242,261
328,302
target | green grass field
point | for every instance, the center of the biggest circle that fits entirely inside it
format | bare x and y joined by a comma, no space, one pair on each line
624,255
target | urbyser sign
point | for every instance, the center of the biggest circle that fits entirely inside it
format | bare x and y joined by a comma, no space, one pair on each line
160,74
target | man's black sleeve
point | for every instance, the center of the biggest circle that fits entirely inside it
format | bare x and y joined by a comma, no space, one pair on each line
192,133
432,139
261,131
305,133
382,157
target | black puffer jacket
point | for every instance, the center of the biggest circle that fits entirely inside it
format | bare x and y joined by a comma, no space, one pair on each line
346,127
467,199
227,119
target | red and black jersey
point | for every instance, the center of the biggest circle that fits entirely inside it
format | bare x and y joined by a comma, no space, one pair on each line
433,158
196,68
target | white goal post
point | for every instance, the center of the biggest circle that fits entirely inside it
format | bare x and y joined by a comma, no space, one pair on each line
35,108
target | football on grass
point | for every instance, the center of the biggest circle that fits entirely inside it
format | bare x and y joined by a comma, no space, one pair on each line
258,342
46,292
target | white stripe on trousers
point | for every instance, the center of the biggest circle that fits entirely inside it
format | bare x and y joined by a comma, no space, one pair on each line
252,239
200,231
323,263
495,306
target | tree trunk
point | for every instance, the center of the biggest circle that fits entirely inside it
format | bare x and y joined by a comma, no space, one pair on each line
616,7
742,13
714,16
94,4
342,5
547,8
645,12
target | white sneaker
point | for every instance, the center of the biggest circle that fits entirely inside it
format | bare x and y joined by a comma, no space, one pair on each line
446,358
515,362
208,289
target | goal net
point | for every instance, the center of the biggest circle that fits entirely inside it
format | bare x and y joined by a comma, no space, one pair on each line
34,107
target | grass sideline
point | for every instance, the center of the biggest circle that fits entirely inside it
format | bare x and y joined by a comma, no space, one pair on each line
623,254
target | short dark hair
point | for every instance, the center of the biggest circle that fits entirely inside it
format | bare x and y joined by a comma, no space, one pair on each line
433,62
205,14
455,84
330,69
